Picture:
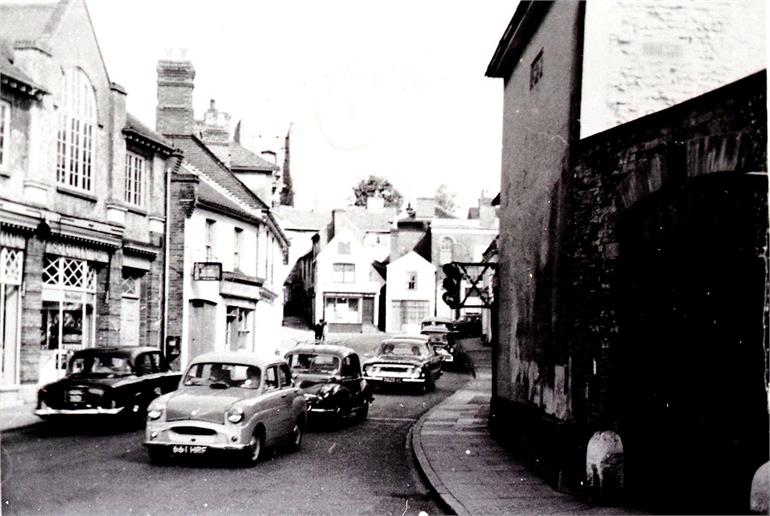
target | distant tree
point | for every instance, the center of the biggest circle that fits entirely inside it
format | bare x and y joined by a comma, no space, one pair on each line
446,198
377,185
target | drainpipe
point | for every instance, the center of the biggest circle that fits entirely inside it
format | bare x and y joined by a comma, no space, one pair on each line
176,156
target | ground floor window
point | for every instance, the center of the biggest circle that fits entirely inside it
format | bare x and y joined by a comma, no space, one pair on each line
344,310
11,261
240,323
409,312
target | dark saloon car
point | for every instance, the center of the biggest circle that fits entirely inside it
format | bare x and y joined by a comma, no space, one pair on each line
108,381
404,360
442,342
330,378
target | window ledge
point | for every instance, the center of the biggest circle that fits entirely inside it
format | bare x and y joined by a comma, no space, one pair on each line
136,209
76,193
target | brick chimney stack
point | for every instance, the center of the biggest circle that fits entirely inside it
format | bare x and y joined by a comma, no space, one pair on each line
174,112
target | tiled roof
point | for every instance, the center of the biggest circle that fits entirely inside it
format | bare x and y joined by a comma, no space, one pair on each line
8,69
201,158
26,22
208,195
133,124
243,158
308,220
367,220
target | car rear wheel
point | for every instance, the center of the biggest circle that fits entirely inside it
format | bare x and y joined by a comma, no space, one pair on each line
256,447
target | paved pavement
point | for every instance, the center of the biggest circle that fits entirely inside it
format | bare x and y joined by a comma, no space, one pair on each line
468,470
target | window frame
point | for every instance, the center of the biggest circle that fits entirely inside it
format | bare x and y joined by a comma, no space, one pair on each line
5,133
411,280
210,238
237,247
76,132
135,179
344,272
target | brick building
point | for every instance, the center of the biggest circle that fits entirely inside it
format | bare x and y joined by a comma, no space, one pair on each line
619,253
226,250
82,200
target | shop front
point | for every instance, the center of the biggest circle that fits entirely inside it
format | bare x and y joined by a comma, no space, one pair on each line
11,264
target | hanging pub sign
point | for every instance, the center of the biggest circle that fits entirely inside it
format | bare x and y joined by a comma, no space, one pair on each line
207,271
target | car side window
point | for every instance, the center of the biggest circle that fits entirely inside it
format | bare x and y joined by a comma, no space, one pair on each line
143,364
355,366
271,378
285,374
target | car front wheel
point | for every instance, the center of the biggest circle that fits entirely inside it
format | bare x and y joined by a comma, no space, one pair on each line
256,446
296,436
363,412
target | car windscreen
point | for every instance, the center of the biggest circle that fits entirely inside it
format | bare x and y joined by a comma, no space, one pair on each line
223,375
403,348
314,363
100,365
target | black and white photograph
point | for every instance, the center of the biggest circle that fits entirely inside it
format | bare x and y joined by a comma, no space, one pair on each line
409,258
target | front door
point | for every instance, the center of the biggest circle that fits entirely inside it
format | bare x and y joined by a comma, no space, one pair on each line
129,321
202,328
368,310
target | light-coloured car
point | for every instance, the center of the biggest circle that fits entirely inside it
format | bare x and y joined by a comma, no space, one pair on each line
408,359
442,342
227,402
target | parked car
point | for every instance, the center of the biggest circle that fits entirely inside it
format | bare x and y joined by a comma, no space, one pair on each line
227,402
404,360
116,381
330,378
468,325
437,321
442,342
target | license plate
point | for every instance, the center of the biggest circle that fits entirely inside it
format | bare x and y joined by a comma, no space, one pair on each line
391,380
184,449
75,397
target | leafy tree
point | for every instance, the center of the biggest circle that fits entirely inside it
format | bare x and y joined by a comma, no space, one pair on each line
446,198
377,185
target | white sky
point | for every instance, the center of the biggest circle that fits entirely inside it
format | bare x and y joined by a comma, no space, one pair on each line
395,89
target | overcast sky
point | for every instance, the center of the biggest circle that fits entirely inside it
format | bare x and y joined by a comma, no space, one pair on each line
394,88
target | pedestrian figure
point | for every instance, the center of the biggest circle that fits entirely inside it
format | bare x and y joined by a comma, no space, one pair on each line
318,329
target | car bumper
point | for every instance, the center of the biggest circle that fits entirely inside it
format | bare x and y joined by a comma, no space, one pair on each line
394,380
96,411
230,437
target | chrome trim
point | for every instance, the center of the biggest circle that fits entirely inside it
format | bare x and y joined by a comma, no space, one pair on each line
42,412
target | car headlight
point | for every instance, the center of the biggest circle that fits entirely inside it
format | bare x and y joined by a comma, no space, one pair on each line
235,415
154,412
416,372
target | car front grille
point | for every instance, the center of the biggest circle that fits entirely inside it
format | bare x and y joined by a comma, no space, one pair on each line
193,430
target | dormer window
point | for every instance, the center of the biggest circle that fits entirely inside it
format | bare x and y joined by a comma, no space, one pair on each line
77,130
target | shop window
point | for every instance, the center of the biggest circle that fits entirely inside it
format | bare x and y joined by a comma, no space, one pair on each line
10,313
238,328
77,127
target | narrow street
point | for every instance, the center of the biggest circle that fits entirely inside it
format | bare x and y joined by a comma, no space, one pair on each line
356,469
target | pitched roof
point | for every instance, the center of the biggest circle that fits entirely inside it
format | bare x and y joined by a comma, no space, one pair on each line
9,70
134,125
367,220
28,22
201,158
307,220
210,197
243,158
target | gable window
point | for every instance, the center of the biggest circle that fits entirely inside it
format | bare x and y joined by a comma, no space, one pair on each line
237,243
344,273
136,166
446,252
411,283
210,235
5,132
75,139
536,69
343,247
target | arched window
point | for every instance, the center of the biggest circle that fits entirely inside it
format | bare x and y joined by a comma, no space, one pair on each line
447,250
77,129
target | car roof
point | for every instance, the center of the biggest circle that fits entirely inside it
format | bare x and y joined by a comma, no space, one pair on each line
417,339
435,328
261,360
129,351
437,320
332,349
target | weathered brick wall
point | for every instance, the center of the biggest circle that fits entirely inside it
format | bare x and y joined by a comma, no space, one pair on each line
722,131
109,295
